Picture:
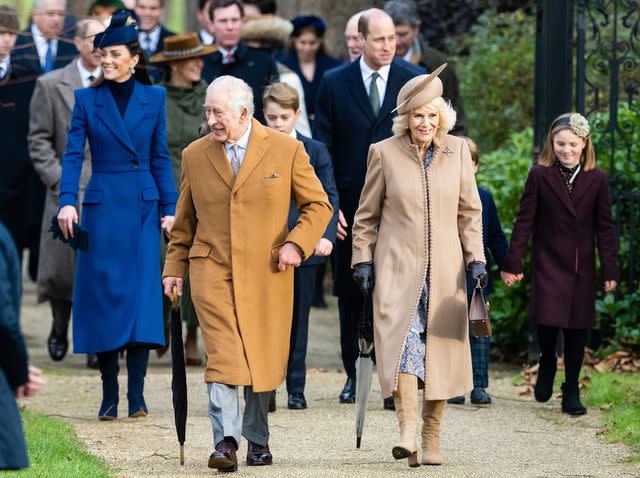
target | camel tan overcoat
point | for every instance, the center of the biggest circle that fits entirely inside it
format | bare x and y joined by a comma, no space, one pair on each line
228,232
408,223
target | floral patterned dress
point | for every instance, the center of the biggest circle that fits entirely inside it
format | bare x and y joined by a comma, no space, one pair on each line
414,352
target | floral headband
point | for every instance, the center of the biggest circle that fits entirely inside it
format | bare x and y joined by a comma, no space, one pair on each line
576,123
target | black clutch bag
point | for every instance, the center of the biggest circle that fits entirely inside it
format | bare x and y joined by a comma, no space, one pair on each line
80,239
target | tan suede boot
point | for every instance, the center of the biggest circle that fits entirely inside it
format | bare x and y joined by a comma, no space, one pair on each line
432,412
406,402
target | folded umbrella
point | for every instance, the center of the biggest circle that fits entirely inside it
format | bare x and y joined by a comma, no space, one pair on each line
178,374
364,366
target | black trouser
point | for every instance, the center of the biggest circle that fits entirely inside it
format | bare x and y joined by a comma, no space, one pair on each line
350,311
304,279
575,341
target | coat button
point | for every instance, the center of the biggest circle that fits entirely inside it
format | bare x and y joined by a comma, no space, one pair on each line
134,164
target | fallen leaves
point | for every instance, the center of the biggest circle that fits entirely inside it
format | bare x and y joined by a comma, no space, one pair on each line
620,361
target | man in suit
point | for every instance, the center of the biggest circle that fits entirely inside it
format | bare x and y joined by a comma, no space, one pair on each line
234,58
204,20
281,112
230,232
410,47
152,33
354,110
50,116
351,37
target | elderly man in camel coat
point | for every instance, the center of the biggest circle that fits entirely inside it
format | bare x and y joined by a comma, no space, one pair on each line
231,233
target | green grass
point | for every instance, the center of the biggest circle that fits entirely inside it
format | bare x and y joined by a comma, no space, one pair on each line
56,451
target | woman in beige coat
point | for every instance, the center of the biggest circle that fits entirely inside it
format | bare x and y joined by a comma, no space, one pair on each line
417,227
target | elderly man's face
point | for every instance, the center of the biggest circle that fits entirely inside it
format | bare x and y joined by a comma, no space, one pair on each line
379,46
224,123
49,17
405,35
351,37
89,57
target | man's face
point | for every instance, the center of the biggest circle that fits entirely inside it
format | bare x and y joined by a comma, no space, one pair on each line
351,37
405,35
88,56
379,46
149,12
7,42
279,118
224,124
204,20
49,17
227,23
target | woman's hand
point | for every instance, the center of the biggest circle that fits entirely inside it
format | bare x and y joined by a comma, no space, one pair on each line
509,279
323,247
35,383
610,285
66,217
166,224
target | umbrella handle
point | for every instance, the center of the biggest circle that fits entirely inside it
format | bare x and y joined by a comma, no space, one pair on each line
182,455
174,301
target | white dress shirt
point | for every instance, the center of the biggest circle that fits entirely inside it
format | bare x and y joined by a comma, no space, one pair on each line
409,55
4,66
85,74
206,37
153,35
242,143
42,44
226,52
381,82
294,134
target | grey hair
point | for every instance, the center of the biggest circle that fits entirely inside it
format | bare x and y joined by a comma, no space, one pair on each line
446,113
83,25
402,12
37,4
239,93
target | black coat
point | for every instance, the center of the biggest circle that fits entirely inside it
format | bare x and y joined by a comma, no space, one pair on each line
566,230
321,161
156,70
254,66
345,123
26,53
13,357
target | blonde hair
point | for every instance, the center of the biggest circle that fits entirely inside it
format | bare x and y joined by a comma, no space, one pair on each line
446,114
473,149
548,155
283,95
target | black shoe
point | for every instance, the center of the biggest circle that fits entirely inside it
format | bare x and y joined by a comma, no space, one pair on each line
543,389
296,402
348,394
459,400
57,346
224,459
388,404
480,397
92,361
258,455
272,403
571,403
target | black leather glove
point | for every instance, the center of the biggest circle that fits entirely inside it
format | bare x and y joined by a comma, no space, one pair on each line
363,276
479,272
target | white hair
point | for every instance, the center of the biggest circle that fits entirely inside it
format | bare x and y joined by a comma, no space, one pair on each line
238,93
446,114
37,4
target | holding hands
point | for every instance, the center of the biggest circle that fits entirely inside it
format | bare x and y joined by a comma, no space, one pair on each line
509,279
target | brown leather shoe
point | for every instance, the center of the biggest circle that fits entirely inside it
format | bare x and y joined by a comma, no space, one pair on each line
224,459
258,455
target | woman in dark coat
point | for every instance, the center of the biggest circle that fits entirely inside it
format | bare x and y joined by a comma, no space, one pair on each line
567,207
130,197
308,57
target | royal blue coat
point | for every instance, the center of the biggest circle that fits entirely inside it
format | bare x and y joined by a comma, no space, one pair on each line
117,299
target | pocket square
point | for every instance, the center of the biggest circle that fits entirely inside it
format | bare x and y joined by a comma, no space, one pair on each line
272,176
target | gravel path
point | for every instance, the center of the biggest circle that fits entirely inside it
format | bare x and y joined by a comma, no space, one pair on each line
513,437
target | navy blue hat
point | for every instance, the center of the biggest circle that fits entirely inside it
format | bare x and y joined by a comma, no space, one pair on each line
308,21
122,30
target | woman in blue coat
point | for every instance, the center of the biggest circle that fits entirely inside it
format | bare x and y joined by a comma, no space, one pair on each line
130,198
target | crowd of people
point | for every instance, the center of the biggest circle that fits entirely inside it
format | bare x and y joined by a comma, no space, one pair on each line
227,165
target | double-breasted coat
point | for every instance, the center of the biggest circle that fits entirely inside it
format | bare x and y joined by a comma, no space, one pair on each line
566,230
228,232
117,291
51,107
415,226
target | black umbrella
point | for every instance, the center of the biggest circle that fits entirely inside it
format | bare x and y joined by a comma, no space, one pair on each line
364,365
179,374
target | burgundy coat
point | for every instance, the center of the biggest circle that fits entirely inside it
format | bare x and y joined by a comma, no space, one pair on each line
565,229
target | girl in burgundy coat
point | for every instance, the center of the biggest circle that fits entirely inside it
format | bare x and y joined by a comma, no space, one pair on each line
567,208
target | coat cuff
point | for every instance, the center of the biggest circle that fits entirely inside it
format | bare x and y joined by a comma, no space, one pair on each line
68,199
169,209
511,265
175,269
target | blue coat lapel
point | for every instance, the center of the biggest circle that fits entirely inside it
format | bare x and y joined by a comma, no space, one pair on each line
136,109
108,113
358,91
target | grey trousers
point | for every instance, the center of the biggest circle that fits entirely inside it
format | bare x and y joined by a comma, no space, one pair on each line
224,413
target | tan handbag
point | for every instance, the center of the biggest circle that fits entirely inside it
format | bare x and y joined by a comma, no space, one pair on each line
479,314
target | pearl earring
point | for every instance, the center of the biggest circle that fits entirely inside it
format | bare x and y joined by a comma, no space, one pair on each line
133,70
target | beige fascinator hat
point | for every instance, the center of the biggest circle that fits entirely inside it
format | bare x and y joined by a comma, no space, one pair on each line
419,91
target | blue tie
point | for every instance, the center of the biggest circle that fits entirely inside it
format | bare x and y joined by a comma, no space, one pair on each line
48,58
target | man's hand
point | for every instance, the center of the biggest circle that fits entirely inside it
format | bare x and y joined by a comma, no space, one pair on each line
509,279
342,226
610,285
169,282
35,383
290,255
66,217
323,248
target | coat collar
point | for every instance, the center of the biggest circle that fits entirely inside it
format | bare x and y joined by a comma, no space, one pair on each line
69,80
555,181
108,112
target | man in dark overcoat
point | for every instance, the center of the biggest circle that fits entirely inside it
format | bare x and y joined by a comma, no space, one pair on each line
152,33
257,68
51,107
350,116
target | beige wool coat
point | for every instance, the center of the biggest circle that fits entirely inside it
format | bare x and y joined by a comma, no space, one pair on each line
409,223
228,232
